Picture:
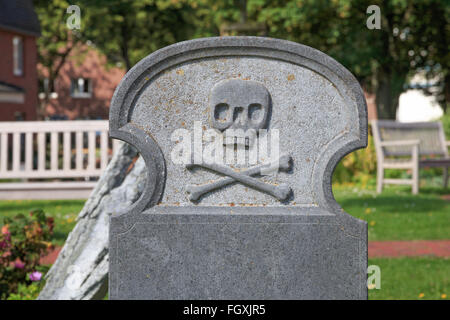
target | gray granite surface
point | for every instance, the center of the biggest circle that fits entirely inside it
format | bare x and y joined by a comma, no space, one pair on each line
239,241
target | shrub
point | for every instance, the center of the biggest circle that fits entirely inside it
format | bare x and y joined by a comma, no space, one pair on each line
23,240
358,167
27,292
446,124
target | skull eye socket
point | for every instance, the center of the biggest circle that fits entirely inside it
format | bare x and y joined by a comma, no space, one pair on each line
255,112
221,112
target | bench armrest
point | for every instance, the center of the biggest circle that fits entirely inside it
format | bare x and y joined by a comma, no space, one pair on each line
400,143
413,144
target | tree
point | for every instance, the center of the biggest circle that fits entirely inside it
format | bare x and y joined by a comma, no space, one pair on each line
126,31
55,43
413,38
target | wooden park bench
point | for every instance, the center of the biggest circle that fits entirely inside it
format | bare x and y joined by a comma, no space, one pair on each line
409,146
52,159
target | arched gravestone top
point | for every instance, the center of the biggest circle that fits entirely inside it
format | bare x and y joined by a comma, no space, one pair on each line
316,104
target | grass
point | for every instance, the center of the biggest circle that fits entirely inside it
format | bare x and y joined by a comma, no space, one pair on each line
396,214
64,212
412,278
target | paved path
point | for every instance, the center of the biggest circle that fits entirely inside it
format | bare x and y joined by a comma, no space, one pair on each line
377,249
51,256
392,249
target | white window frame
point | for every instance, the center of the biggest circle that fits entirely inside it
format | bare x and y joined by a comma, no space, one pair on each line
18,58
42,93
81,85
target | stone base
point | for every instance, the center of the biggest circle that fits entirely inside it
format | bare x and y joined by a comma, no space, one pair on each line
237,253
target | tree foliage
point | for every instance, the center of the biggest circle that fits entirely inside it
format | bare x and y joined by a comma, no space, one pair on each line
413,36
55,43
126,31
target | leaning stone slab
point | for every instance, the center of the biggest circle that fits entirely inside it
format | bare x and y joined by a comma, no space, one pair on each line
81,269
208,230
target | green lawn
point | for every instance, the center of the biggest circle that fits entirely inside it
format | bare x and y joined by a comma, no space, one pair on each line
412,278
396,214
64,212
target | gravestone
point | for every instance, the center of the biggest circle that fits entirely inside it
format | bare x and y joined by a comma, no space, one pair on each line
247,227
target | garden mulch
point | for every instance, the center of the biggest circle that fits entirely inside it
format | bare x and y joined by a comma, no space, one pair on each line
377,249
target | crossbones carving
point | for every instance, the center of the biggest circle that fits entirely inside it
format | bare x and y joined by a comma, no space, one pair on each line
280,192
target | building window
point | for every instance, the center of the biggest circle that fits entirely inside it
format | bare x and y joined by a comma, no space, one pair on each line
18,56
44,89
81,88
43,85
19,116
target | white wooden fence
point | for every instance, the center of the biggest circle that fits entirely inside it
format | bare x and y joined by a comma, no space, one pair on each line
38,157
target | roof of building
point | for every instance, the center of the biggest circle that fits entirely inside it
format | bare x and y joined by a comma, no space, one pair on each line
6,87
19,16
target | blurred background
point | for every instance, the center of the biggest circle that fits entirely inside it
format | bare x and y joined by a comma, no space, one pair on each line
62,60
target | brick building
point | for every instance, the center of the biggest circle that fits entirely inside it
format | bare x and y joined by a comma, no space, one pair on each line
19,28
83,88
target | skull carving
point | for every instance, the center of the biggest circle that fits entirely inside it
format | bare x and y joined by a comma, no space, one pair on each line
239,104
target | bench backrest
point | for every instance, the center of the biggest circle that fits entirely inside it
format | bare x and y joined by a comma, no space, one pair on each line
430,134
53,149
